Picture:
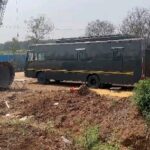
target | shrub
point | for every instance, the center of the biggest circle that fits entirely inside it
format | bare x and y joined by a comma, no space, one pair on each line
90,140
90,137
142,97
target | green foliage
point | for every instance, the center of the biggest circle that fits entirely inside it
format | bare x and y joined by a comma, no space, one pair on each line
99,28
91,140
39,28
105,147
142,97
14,122
91,137
20,46
50,127
15,45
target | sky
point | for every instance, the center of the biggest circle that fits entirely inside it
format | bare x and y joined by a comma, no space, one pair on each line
69,17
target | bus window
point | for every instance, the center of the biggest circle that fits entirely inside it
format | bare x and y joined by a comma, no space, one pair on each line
81,54
35,57
117,52
41,56
30,56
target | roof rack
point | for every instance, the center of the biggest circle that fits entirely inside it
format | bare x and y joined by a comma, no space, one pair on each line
96,38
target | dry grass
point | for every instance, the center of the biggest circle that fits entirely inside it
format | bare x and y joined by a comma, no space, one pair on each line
120,94
105,92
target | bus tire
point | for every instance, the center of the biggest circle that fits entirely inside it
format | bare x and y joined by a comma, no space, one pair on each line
41,77
105,85
57,81
93,81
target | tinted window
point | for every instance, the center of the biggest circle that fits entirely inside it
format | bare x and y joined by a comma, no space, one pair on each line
30,56
41,56
82,55
116,54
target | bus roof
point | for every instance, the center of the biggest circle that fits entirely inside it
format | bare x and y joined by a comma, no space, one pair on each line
87,42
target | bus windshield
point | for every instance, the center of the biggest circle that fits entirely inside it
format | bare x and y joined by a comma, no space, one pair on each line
35,56
30,56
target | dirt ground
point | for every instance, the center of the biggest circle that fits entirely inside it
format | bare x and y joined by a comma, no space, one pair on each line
55,117
67,85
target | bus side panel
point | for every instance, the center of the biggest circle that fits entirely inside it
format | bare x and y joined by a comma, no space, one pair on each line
66,76
70,62
133,62
147,63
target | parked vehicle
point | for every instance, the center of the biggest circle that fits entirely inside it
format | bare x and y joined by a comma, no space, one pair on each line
113,59
7,74
6,69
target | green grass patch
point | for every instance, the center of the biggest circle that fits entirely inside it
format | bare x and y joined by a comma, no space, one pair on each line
90,140
13,122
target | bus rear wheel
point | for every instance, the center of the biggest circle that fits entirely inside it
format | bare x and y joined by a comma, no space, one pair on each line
57,81
93,81
41,77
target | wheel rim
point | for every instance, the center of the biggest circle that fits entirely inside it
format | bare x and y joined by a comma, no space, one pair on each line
93,82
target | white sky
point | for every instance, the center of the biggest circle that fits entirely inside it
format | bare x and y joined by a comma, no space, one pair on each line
70,17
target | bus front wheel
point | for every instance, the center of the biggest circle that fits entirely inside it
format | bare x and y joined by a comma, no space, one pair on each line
41,77
93,81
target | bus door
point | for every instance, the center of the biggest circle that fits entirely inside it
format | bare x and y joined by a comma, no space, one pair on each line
36,59
29,59
28,65
117,62
81,58
40,62
117,58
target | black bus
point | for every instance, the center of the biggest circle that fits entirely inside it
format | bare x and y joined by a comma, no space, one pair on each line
103,60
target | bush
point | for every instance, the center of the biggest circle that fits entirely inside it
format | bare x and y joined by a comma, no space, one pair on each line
90,140
142,97
90,137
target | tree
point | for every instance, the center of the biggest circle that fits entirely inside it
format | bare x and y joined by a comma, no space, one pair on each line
38,28
15,45
137,23
99,28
